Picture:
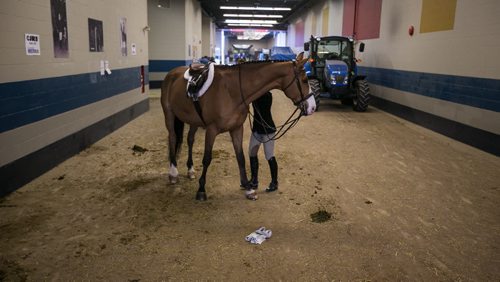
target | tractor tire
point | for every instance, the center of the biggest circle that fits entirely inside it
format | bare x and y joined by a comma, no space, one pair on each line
315,90
360,102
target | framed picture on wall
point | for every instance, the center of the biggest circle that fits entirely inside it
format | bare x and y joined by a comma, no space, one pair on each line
96,36
59,28
123,36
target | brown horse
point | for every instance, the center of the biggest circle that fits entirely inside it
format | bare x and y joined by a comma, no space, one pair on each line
225,105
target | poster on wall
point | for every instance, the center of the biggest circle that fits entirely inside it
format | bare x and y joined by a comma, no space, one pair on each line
123,36
32,43
59,28
96,36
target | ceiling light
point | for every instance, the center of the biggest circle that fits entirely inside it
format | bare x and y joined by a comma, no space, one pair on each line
238,16
251,21
252,16
244,24
256,8
252,34
163,4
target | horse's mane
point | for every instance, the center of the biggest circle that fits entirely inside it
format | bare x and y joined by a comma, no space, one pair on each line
252,63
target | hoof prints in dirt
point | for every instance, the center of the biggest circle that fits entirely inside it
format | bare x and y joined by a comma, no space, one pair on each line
11,271
321,216
135,184
125,240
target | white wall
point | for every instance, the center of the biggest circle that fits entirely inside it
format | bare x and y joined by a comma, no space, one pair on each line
313,22
20,17
207,36
175,37
470,49
467,50
167,36
193,29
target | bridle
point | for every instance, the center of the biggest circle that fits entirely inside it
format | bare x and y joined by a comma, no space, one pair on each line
299,104
289,123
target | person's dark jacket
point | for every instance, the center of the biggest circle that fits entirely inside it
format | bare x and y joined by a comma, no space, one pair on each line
262,118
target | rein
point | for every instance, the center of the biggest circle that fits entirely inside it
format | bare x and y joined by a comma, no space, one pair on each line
289,123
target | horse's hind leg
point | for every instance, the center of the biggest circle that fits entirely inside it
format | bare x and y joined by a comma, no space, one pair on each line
175,137
190,139
210,135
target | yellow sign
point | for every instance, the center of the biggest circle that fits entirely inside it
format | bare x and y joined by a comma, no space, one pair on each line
437,15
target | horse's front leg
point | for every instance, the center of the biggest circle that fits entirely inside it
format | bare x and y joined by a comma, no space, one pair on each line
237,137
190,139
210,135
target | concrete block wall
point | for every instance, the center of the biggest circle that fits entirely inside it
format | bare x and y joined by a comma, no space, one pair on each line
446,80
208,36
193,30
46,101
175,37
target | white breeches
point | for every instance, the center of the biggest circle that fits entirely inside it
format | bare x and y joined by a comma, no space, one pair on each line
256,139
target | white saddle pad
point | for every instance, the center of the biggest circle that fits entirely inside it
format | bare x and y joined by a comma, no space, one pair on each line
207,83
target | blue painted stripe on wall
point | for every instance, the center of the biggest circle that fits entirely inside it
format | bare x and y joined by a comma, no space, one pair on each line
475,92
166,65
25,102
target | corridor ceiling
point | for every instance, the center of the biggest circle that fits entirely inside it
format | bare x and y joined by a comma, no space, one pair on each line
213,10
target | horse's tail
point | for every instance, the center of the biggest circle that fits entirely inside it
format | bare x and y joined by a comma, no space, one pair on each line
179,133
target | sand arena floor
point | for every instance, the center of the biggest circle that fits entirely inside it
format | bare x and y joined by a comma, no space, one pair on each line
405,204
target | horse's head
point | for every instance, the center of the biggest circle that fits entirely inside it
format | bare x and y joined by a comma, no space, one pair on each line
297,89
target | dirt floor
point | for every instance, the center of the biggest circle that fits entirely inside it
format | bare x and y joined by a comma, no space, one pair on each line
405,204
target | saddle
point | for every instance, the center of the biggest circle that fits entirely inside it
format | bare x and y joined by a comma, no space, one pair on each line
199,75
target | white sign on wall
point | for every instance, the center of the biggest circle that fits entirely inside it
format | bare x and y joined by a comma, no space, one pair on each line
32,42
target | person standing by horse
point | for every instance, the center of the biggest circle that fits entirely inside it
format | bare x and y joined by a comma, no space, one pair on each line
263,131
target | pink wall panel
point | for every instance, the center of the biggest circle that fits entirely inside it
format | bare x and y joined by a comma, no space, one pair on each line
348,18
299,33
366,22
368,19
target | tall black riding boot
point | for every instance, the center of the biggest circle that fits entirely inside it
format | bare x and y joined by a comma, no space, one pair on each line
254,169
273,166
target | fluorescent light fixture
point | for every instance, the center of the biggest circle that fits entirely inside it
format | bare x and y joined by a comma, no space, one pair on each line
256,8
251,21
242,46
243,24
252,34
237,16
251,16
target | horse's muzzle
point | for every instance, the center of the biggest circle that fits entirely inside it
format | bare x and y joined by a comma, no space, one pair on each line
308,106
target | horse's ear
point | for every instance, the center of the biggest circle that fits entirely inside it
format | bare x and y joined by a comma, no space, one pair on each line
300,56
300,59
303,62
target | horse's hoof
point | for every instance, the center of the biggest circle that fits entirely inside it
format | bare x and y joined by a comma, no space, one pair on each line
191,175
201,196
172,179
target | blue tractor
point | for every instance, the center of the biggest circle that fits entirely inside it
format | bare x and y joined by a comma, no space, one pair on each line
332,71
